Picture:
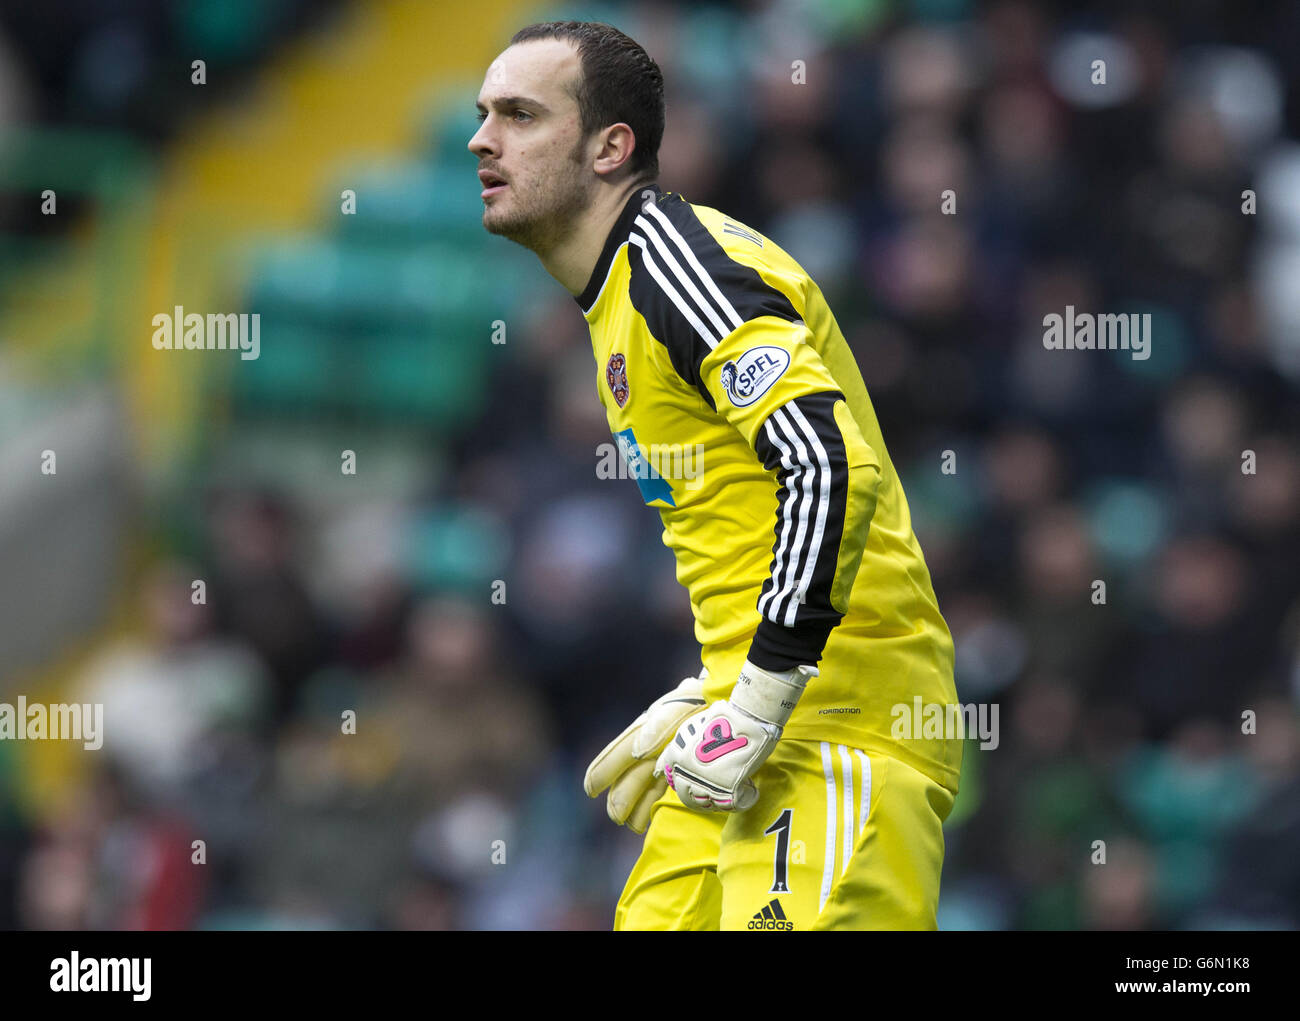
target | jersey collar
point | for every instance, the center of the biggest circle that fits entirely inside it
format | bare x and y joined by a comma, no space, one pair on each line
617,237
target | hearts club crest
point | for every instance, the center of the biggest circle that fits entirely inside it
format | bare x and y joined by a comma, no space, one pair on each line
616,377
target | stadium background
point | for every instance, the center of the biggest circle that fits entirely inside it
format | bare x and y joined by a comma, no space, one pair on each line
476,461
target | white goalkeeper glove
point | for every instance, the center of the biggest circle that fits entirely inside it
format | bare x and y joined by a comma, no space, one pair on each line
627,767
710,761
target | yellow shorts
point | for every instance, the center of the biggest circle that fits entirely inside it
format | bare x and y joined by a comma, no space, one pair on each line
839,839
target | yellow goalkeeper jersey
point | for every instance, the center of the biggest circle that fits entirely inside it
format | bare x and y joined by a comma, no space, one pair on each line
739,409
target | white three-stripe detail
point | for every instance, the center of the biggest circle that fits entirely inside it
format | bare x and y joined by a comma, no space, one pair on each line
665,255
672,292
788,585
709,285
823,505
865,810
846,764
852,828
720,314
791,483
804,500
828,866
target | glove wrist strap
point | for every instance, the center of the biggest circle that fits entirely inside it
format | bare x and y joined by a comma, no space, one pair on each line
767,697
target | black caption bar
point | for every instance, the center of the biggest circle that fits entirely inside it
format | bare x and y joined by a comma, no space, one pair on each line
167,970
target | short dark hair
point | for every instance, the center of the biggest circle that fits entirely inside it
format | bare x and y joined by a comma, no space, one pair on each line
620,84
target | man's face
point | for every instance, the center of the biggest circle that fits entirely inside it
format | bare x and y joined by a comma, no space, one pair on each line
532,157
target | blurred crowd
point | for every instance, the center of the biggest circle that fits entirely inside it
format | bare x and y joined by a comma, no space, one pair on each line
1154,728
114,64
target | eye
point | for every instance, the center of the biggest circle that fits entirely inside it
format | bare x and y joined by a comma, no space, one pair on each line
520,113
480,117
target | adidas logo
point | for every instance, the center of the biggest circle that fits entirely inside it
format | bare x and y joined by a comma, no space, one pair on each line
772,918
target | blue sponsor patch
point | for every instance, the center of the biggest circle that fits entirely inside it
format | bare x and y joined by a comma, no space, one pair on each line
652,485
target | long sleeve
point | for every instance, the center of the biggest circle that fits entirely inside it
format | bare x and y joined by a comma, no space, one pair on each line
735,335
826,496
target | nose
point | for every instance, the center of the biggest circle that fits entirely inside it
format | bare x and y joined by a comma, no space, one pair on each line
481,144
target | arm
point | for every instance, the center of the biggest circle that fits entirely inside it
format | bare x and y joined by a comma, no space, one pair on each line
770,383
826,492
827,482
731,324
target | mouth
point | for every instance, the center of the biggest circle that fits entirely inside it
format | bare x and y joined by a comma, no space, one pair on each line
493,184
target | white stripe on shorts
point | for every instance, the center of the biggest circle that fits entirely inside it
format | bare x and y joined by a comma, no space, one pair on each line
865,810
828,868
847,764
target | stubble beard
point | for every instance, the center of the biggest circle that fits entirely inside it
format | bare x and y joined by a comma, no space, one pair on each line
541,221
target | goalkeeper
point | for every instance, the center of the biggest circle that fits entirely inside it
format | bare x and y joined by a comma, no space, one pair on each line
774,789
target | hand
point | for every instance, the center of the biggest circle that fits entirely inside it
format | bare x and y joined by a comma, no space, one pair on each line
626,765
715,753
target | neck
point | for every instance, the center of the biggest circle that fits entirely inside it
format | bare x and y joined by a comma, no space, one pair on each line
572,260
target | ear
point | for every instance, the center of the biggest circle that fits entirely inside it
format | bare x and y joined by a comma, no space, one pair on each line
616,148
